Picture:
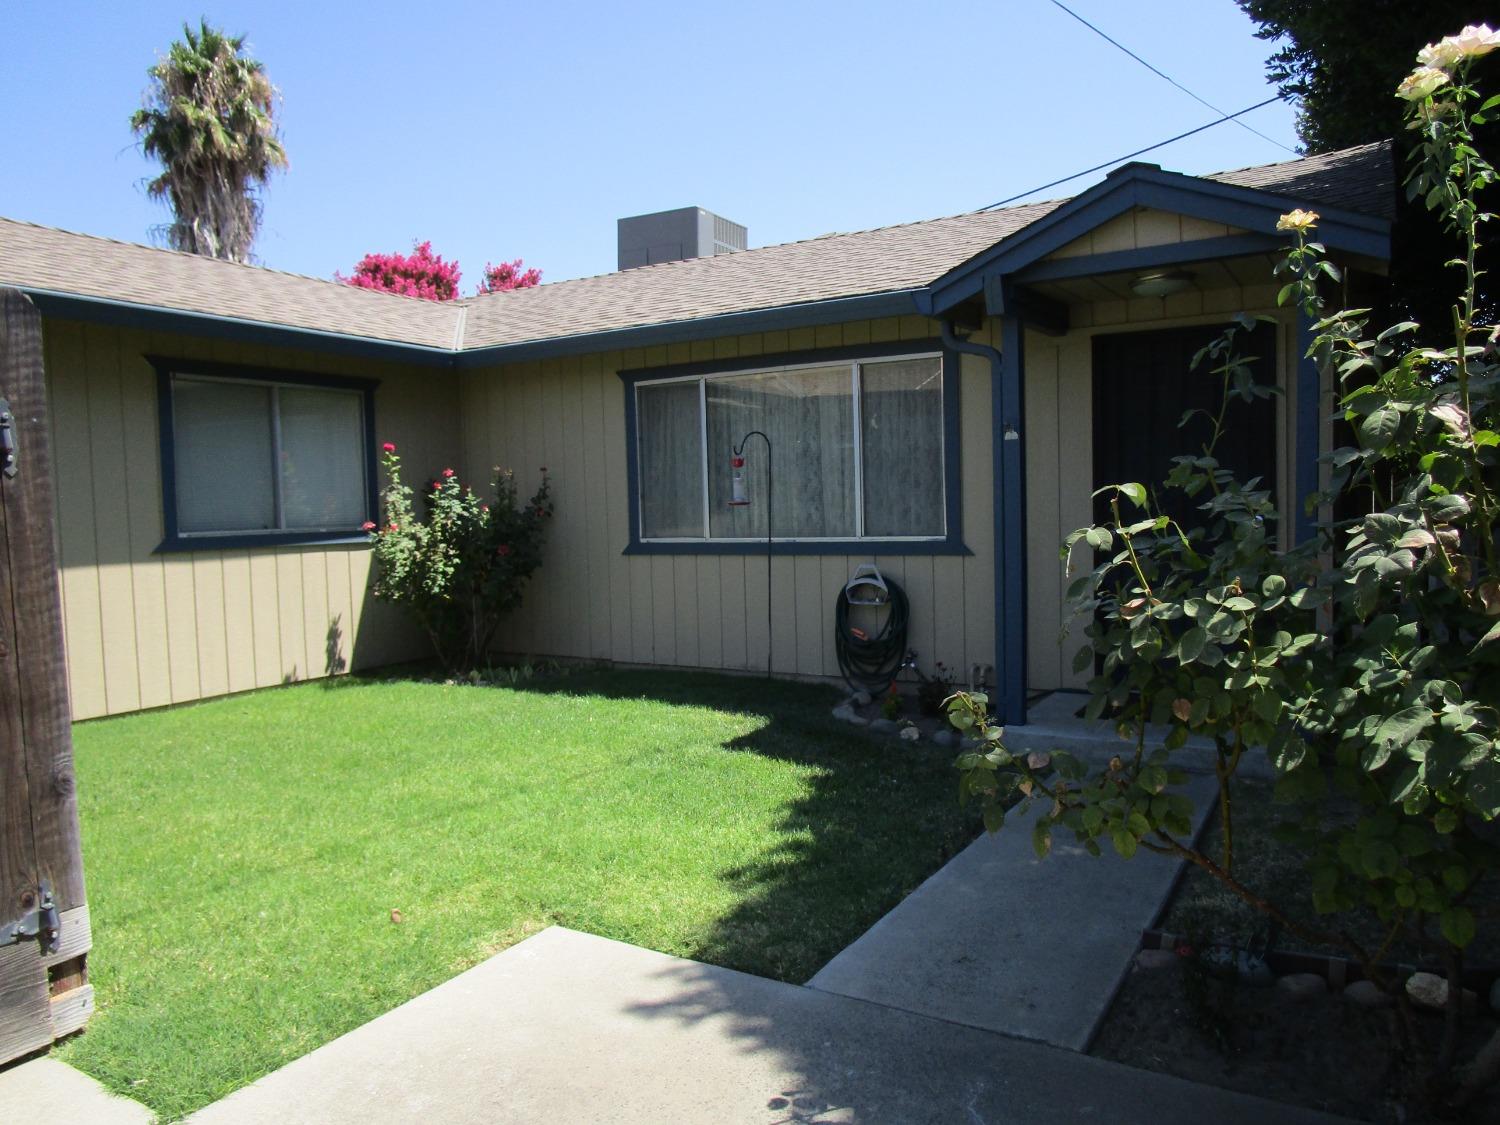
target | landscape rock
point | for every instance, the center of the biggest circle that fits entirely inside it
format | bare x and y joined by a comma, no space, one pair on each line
1428,990
1367,994
860,699
845,714
1151,960
948,738
910,734
884,726
1301,986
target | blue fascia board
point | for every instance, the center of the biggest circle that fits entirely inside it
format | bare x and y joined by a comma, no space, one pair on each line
127,314
808,314
1146,186
1149,257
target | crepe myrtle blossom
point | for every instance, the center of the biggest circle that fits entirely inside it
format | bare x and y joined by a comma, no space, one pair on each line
1422,83
1297,220
1470,43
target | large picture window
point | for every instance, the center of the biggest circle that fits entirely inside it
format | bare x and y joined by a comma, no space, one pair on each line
858,451
263,457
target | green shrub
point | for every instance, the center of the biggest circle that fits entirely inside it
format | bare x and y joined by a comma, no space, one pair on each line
462,567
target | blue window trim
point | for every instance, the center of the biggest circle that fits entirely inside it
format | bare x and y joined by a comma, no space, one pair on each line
951,544
173,540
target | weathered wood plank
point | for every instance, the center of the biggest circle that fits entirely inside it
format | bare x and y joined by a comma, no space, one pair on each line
36,637
68,1011
25,1014
74,936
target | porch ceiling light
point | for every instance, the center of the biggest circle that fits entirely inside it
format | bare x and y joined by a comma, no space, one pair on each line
1161,284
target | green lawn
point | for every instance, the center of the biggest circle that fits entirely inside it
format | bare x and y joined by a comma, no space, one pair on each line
244,855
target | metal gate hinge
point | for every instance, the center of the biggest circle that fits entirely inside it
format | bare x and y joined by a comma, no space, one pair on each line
42,923
8,452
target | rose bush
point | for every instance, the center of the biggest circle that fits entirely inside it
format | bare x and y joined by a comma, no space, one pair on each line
464,563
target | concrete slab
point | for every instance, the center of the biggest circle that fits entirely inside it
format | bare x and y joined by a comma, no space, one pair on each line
569,1027
1002,940
46,1090
1053,723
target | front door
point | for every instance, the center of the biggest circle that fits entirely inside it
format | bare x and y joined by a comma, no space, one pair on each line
1143,385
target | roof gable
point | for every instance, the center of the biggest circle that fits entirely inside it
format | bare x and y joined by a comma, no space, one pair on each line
1251,209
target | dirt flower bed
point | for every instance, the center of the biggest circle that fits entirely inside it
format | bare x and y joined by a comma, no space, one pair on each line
1318,1049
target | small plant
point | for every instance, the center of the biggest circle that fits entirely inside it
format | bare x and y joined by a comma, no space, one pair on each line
933,690
890,703
459,570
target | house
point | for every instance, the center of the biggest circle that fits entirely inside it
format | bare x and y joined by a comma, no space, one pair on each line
1006,362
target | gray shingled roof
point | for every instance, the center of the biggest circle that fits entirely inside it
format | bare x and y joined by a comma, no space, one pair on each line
888,259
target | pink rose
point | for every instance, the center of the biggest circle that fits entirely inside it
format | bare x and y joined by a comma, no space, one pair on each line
389,447
368,525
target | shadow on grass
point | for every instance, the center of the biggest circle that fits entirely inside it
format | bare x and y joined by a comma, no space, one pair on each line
875,819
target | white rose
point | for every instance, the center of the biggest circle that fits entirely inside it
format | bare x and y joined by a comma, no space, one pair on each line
1297,220
1470,43
1421,82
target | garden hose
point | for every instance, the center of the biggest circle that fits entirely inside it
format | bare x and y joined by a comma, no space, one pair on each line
870,663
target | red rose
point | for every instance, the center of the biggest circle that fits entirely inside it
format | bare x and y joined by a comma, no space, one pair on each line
389,447
447,473
368,525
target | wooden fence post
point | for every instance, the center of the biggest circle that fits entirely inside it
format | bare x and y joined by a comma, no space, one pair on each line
44,992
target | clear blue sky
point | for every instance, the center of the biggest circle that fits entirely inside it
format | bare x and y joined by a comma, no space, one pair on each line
500,130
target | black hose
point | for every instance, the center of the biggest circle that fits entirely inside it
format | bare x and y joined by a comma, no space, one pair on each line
870,663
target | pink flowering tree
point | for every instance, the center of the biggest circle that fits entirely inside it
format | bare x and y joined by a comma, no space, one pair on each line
418,274
507,276
463,564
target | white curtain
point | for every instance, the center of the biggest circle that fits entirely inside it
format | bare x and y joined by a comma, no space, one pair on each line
670,460
901,411
222,444
322,459
808,416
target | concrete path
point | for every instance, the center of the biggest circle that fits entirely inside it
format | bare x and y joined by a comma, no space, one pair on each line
1054,722
43,1090
570,1027
1001,940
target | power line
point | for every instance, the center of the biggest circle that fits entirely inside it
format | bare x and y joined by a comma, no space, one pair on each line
1132,155
1167,77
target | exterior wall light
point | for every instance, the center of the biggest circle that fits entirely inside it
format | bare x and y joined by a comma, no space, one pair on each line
1161,284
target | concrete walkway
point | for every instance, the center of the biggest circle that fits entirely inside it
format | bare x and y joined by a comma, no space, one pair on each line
1001,940
45,1090
570,1027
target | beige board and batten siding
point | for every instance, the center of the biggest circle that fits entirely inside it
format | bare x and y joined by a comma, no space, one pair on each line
146,629
590,600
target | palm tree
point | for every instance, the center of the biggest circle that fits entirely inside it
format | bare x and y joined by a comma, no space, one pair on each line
208,118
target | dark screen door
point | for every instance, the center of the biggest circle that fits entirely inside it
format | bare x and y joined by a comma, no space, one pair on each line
1144,382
